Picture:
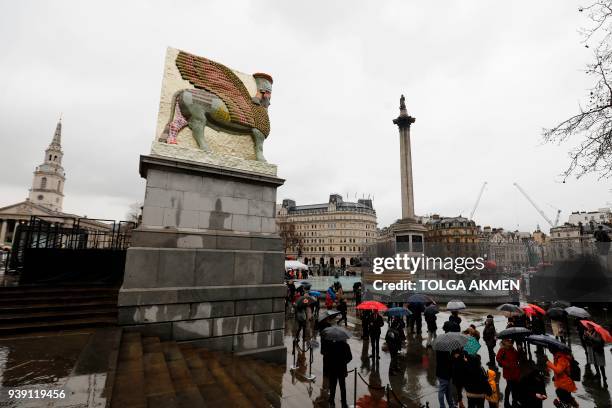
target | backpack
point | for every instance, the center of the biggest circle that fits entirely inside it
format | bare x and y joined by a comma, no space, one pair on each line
574,369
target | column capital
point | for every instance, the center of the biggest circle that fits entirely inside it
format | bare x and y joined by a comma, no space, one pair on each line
404,121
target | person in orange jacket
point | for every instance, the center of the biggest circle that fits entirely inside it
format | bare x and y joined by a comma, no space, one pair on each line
492,378
564,385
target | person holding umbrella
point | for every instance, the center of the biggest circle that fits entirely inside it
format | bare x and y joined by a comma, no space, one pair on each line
394,343
595,352
531,386
375,322
303,315
336,355
508,359
476,383
430,319
489,335
454,317
449,359
443,374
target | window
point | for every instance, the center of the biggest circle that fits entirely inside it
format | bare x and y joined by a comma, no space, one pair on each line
40,197
43,183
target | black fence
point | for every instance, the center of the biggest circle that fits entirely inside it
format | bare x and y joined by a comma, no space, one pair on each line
70,250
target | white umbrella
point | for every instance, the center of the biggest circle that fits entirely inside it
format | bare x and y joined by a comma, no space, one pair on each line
295,265
455,305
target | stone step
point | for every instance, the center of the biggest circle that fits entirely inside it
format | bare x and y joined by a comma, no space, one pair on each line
234,394
187,393
71,313
128,390
59,298
237,374
63,324
254,376
52,305
159,389
45,290
214,396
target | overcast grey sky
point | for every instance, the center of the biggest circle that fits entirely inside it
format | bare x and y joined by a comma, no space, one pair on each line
482,79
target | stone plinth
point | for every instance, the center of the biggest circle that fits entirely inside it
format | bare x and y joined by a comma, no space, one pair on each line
206,265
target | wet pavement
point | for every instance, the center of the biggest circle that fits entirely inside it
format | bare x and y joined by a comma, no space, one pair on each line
46,362
414,381
38,362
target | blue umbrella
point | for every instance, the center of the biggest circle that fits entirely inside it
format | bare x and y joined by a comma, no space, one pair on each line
398,311
472,346
315,293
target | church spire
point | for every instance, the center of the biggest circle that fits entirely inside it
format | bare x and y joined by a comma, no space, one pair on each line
57,136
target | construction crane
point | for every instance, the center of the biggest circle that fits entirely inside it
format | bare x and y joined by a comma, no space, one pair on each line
542,213
558,214
477,200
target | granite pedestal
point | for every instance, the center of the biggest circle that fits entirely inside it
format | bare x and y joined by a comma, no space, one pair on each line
206,264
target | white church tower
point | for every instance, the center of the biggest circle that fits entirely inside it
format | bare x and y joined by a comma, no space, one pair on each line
48,184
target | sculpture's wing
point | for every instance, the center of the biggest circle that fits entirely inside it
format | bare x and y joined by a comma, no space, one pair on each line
220,80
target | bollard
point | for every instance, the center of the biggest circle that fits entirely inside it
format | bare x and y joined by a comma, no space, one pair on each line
310,377
294,366
355,388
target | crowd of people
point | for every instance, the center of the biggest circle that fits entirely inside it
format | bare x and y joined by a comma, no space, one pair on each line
463,380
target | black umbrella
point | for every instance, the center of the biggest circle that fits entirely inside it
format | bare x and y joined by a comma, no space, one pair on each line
335,333
450,342
419,298
327,314
514,333
431,310
547,341
510,310
578,312
556,313
560,303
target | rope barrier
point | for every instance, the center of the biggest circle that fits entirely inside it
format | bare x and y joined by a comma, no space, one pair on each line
370,385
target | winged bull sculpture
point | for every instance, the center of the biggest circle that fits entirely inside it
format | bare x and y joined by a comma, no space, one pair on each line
220,99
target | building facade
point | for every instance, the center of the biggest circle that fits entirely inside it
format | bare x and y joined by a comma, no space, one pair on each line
510,250
602,215
333,234
46,197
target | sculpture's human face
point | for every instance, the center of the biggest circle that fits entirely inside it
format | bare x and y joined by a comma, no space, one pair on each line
265,94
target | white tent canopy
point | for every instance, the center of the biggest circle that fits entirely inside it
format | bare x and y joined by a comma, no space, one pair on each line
295,265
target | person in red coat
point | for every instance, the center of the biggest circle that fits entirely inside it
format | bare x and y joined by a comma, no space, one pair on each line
508,358
564,385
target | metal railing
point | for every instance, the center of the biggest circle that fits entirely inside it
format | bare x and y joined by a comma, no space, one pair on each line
68,233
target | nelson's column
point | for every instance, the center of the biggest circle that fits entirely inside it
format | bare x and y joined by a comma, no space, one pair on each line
408,233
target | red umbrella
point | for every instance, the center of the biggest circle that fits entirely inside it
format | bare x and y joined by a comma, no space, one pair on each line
537,308
529,311
372,305
605,335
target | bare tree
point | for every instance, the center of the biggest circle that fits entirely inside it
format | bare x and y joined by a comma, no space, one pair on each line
291,239
134,213
593,124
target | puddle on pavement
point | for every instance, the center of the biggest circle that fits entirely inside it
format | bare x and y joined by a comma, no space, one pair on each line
41,362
